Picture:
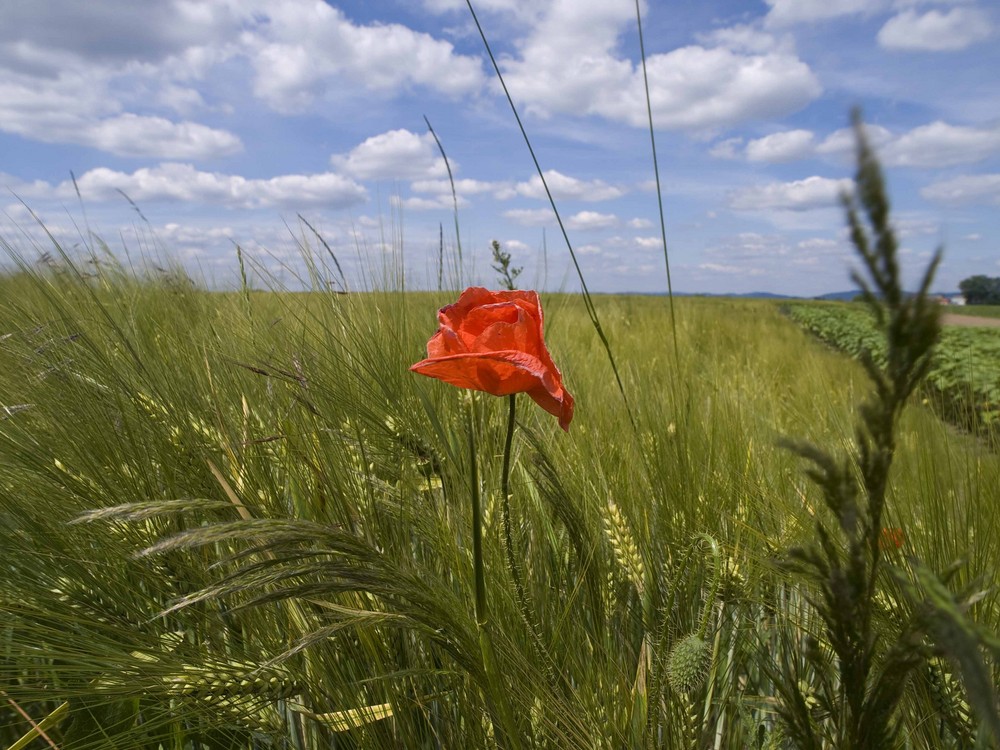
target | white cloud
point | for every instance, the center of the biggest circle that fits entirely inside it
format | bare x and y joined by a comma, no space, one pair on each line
302,49
648,243
750,246
438,202
591,220
941,145
819,244
730,269
800,195
525,11
516,247
564,187
936,144
465,186
841,143
589,250
134,135
187,234
569,64
638,223
784,12
780,147
935,31
74,108
907,226
397,154
101,74
746,38
727,149
965,189
530,217
182,182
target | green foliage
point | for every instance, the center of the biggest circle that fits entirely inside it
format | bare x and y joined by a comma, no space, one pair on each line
981,290
317,584
978,311
237,521
507,275
860,670
964,376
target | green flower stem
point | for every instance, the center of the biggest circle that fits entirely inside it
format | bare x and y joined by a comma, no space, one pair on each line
508,536
494,690
508,544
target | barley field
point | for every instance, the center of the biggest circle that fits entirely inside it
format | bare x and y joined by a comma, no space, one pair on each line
237,520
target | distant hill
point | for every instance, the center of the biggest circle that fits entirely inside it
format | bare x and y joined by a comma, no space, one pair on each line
839,296
848,296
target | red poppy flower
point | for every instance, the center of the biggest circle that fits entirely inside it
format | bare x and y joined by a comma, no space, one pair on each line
891,538
492,342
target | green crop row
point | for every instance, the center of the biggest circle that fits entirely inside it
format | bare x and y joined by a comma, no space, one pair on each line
965,373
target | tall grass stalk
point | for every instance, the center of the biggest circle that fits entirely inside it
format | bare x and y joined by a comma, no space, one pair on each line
585,292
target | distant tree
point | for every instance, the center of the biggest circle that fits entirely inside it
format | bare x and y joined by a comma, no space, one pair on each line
981,290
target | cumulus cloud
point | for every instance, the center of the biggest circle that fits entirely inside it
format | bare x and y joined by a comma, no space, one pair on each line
730,269
419,203
564,187
464,186
135,135
525,11
730,148
841,143
648,243
937,144
746,38
936,31
965,189
530,217
942,145
779,147
74,109
301,50
397,154
591,220
774,255
516,247
569,65
110,31
182,182
102,74
800,195
784,12
750,246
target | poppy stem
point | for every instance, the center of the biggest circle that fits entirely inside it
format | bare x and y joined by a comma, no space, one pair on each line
482,612
508,544
508,536
494,690
505,477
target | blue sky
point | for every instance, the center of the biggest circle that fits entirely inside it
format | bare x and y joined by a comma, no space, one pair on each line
224,120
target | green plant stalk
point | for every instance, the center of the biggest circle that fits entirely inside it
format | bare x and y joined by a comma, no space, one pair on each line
587,299
512,566
38,730
503,725
656,172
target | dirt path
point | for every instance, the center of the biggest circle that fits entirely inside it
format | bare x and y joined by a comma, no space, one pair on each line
950,319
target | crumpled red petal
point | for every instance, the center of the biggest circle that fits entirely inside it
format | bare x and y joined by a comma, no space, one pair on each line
492,341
